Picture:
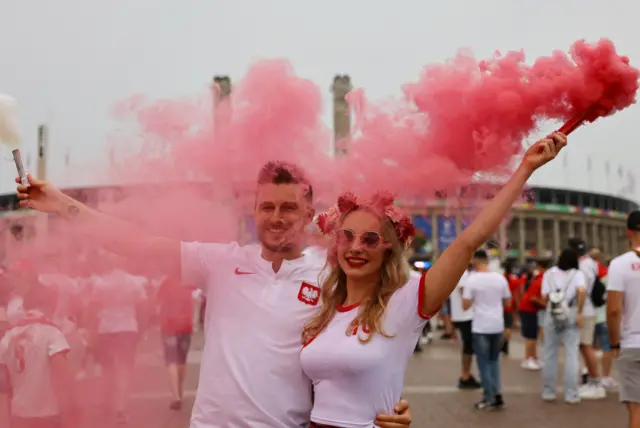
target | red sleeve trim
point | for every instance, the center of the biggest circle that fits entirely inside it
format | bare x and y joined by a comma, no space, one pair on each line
421,300
309,341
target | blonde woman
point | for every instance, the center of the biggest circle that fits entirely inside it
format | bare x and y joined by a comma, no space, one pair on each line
356,349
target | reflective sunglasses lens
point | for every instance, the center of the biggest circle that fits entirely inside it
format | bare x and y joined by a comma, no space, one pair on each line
371,239
346,236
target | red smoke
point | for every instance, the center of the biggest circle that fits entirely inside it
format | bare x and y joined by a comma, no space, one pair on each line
470,115
609,83
461,117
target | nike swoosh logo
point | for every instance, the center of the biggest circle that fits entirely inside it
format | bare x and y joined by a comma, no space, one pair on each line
239,272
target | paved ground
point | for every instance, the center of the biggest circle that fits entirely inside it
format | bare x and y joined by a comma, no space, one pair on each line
430,388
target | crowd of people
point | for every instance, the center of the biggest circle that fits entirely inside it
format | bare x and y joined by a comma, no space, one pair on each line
555,304
76,327
332,330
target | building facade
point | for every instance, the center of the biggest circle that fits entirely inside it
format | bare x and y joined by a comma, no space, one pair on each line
534,229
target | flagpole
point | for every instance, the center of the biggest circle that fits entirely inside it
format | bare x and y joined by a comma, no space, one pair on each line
565,167
620,180
589,174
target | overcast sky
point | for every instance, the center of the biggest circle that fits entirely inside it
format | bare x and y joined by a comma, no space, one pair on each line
68,61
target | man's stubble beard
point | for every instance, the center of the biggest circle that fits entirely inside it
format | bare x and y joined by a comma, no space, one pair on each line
289,244
282,248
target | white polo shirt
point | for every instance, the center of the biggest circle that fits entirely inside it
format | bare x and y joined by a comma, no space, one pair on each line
624,276
487,291
458,314
354,381
250,374
26,350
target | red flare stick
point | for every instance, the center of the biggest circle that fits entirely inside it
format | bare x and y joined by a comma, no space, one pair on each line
577,121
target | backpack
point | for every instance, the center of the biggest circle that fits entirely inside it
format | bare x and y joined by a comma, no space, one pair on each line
598,293
558,307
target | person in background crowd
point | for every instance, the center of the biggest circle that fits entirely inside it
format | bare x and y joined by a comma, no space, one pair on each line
462,321
21,275
516,284
530,304
197,297
68,314
601,333
88,365
593,389
623,319
176,327
444,315
487,293
203,312
531,267
118,303
563,291
34,353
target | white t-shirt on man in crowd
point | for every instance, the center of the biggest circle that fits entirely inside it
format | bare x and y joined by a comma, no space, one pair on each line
26,350
624,276
487,291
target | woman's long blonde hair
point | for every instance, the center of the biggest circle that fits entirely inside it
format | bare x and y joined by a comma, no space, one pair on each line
393,275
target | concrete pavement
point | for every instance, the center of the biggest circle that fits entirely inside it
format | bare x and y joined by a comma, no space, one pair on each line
430,387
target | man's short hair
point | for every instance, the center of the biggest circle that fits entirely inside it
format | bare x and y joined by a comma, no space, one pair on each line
633,221
481,256
280,172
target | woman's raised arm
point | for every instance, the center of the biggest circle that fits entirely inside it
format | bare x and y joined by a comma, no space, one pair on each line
442,278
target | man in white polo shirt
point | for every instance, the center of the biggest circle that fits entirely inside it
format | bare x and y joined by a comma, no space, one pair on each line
258,300
623,313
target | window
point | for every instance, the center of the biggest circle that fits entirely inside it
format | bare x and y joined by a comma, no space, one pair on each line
574,198
543,196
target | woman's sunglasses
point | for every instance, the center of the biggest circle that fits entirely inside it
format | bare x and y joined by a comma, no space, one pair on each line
370,240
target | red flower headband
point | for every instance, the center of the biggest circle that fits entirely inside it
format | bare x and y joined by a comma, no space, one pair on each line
381,202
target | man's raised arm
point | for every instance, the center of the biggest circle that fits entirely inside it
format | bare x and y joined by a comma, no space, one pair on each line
115,235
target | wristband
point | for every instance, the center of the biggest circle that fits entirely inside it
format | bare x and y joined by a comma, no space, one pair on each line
615,347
